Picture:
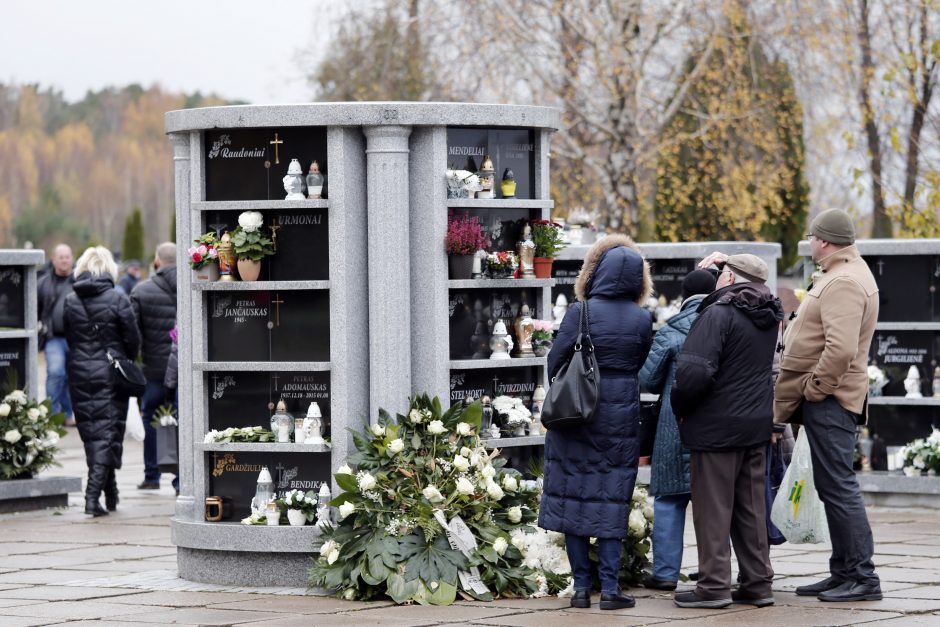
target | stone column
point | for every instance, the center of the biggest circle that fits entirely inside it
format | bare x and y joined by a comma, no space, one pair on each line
188,457
389,268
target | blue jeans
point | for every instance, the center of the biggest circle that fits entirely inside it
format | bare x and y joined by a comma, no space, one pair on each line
154,396
57,381
608,553
668,530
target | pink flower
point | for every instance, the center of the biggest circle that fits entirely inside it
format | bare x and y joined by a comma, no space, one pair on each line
202,250
213,253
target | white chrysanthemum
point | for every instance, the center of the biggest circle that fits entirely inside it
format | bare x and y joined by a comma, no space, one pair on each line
500,545
514,514
415,416
396,446
250,221
365,480
12,436
16,396
346,509
378,430
510,483
211,436
432,494
436,427
344,470
464,428
5,410
461,463
464,486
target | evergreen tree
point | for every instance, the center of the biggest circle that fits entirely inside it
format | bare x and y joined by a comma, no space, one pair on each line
733,168
133,247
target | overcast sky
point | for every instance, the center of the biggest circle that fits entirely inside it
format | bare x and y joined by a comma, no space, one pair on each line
239,49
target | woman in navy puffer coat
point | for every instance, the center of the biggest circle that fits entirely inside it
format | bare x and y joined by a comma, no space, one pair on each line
590,471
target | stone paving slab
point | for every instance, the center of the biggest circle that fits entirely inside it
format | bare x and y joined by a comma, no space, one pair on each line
194,615
73,610
22,562
48,576
296,620
24,621
573,617
790,616
5,603
302,604
20,548
60,593
177,599
119,552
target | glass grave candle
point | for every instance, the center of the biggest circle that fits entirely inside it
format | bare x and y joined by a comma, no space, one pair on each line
282,423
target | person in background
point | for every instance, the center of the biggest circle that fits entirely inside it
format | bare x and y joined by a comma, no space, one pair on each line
590,470
669,480
99,319
52,289
823,382
154,302
723,400
131,277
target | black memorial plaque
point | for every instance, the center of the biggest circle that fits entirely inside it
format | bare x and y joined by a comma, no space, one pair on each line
235,475
898,425
668,275
473,314
246,164
896,351
247,399
13,356
512,148
907,287
516,382
12,298
301,239
565,272
284,325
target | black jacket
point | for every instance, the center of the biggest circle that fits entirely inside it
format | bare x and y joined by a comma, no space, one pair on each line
45,299
100,413
724,389
154,302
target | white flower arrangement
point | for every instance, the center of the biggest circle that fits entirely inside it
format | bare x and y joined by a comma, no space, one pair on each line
921,454
515,413
30,435
234,434
876,380
250,221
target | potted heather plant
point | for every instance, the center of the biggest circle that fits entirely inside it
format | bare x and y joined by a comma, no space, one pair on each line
464,238
547,238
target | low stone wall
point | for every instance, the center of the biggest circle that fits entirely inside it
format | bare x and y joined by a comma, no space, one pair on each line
893,489
20,495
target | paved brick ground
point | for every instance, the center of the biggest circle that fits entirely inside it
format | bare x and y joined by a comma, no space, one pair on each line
60,567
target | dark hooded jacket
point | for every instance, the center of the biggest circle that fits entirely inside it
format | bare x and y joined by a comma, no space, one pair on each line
670,472
154,302
724,390
100,412
590,471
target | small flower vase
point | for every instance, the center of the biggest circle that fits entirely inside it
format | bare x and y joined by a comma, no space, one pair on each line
543,267
460,267
519,431
296,517
207,273
541,348
249,270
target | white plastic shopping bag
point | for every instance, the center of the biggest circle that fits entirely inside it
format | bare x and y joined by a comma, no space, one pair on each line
797,510
135,424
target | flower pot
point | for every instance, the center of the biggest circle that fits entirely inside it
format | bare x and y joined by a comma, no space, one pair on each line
542,348
207,273
518,432
249,270
460,266
543,267
500,273
296,518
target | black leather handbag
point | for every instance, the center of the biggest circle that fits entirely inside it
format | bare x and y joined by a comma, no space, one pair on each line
573,393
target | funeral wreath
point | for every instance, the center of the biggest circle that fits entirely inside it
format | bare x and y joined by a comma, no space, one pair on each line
30,435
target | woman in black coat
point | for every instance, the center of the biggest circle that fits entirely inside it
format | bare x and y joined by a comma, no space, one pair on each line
590,471
98,318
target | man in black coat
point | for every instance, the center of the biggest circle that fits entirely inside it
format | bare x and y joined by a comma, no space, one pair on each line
154,302
723,399
53,287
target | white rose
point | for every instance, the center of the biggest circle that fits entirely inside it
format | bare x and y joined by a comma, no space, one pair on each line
332,556
488,471
396,446
366,481
436,427
648,512
415,416
51,439
4,410
637,522
461,463
464,486
346,509
465,451
510,483
344,470
378,430
12,436
432,494
33,414
500,545
250,220
350,594
494,490
464,428
16,396
514,514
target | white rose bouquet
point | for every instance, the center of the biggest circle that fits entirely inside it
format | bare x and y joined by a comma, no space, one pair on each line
29,435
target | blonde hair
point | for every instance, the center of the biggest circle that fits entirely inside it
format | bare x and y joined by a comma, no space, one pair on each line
97,260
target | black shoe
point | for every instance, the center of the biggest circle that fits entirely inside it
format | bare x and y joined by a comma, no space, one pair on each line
814,589
853,591
148,485
690,599
581,598
658,584
616,600
694,576
737,596
93,508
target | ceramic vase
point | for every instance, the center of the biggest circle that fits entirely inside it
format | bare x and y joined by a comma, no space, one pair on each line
249,270
296,518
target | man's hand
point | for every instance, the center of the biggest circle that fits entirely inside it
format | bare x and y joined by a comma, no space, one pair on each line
714,259
775,437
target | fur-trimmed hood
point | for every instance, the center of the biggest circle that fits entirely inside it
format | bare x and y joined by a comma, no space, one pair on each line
614,267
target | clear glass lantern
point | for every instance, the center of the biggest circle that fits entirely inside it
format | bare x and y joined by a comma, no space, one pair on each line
282,423
264,492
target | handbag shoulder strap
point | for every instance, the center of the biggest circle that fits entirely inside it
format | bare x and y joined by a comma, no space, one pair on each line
96,328
584,328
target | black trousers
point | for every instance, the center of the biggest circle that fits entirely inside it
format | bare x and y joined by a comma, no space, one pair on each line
831,432
729,498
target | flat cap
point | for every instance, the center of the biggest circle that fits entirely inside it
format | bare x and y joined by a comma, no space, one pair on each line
748,266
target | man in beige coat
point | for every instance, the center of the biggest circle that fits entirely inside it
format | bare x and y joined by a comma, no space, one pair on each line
823,383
